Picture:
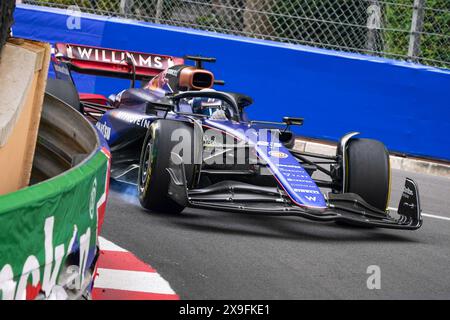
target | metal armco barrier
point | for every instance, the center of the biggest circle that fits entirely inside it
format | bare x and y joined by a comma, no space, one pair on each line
49,231
65,138
405,105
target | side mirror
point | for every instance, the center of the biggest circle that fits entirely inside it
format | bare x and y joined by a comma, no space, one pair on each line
293,121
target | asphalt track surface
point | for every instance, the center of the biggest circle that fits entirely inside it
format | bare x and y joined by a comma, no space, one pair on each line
218,255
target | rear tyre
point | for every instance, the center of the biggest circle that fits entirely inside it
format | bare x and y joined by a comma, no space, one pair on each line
64,91
153,178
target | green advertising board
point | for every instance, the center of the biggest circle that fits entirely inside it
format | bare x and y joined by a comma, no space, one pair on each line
49,231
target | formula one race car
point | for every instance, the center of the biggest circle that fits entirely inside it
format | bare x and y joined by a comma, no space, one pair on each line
187,145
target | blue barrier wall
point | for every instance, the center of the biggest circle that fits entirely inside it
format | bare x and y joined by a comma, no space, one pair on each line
405,105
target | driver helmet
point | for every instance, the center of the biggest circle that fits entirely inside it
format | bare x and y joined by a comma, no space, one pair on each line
206,106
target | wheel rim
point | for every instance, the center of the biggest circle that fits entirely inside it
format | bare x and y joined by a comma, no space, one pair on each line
146,165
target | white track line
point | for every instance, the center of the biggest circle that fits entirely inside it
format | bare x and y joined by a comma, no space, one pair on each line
427,215
436,217
128,280
109,246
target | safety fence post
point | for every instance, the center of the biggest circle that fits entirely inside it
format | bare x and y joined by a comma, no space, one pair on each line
416,30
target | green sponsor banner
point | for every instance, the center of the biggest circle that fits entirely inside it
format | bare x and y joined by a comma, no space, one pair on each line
42,224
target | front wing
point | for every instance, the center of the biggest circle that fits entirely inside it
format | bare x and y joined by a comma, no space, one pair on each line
246,198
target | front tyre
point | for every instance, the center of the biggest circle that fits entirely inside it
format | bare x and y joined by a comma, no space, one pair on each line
368,172
153,178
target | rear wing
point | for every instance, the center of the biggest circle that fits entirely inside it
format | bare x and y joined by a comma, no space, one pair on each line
108,62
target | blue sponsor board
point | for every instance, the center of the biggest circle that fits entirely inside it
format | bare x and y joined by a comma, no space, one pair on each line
405,105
